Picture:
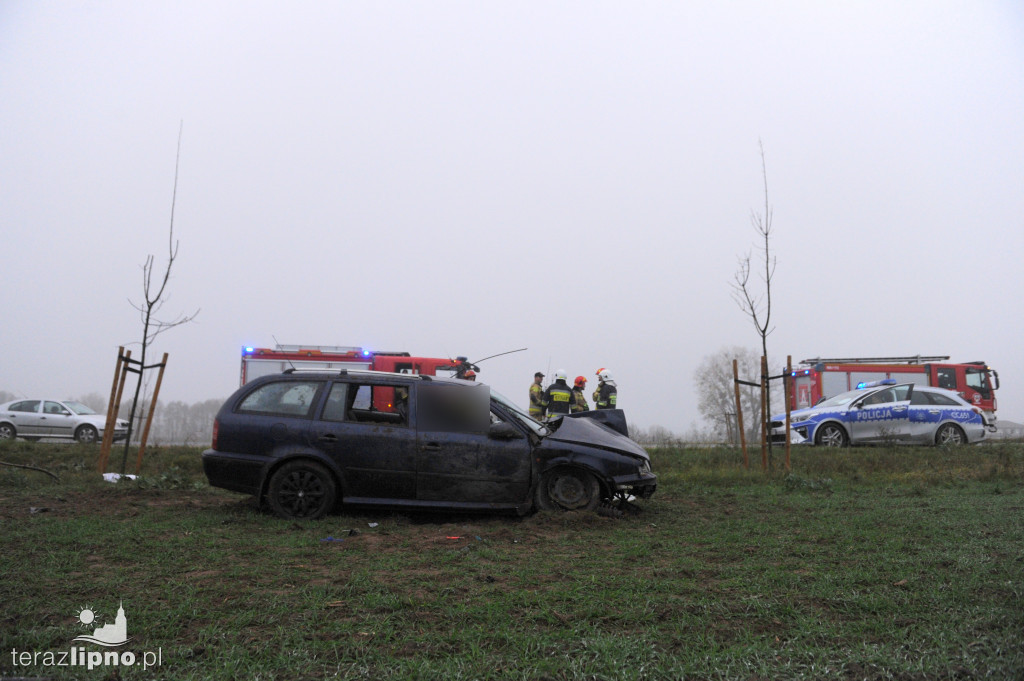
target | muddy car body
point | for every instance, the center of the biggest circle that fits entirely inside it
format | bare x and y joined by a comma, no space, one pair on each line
305,442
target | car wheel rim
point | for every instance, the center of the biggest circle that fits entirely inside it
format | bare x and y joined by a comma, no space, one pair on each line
87,435
302,493
832,437
949,436
568,491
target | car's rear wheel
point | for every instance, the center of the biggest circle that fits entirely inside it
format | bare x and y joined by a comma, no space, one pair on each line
7,431
950,435
86,434
831,435
568,489
302,489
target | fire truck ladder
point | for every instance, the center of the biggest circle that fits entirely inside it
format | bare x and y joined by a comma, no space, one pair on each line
913,359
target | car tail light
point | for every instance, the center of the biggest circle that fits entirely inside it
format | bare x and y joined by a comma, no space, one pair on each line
216,427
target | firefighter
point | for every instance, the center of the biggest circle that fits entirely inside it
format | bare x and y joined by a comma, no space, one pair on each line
537,397
606,393
579,400
558,398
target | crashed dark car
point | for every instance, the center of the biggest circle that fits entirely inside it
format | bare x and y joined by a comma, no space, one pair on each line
307,442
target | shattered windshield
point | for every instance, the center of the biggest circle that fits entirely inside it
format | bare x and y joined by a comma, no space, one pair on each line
518,414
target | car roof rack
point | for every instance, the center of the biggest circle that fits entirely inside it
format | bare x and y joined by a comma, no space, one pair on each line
309,370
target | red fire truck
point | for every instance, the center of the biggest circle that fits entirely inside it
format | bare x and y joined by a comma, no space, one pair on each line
258,362
820,378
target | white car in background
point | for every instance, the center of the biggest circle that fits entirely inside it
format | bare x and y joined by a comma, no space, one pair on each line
64,419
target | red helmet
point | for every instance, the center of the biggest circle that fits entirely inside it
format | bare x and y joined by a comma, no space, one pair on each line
580,382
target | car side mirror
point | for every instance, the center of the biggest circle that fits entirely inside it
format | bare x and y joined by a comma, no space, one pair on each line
503,431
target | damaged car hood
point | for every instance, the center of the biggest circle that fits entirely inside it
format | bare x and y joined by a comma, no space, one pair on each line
588,432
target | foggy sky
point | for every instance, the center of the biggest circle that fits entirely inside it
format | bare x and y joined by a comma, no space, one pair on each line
465,178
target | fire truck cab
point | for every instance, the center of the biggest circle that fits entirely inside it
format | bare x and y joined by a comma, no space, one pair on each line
821,378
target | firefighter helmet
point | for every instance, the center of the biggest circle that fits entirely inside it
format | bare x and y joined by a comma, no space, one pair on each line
470,375
605,375
580,382
560,375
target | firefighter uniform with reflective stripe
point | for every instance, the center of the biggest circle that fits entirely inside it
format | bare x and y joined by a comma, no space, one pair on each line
579,401
558,399
536,401
604,396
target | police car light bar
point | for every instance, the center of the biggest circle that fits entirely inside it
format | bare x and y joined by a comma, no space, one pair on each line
875,384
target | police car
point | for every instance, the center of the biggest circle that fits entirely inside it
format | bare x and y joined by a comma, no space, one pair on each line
886,412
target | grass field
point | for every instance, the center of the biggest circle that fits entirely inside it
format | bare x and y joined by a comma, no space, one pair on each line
860,564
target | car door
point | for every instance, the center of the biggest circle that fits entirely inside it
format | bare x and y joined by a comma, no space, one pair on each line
468,453
28,418
365,429
923,419
881,416
58,420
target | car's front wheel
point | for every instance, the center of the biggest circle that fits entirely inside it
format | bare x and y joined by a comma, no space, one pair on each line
86,434
950,435
831,435
302,489
7,431
568,489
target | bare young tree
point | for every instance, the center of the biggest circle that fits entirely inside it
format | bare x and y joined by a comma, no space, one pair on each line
759,306
153,300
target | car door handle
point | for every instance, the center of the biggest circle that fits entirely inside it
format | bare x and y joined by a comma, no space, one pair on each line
899,410
431,447
328,437
934,411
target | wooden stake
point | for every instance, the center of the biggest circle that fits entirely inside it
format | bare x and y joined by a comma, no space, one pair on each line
787,391
739,413
105,452
108,429
149,418
764,400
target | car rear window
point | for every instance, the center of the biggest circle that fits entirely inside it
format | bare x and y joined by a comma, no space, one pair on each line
284,398
943,400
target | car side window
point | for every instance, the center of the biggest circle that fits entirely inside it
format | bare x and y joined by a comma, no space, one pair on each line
284,398
334,409
919,398
943,400
52,408
881,397
377,404
26,405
